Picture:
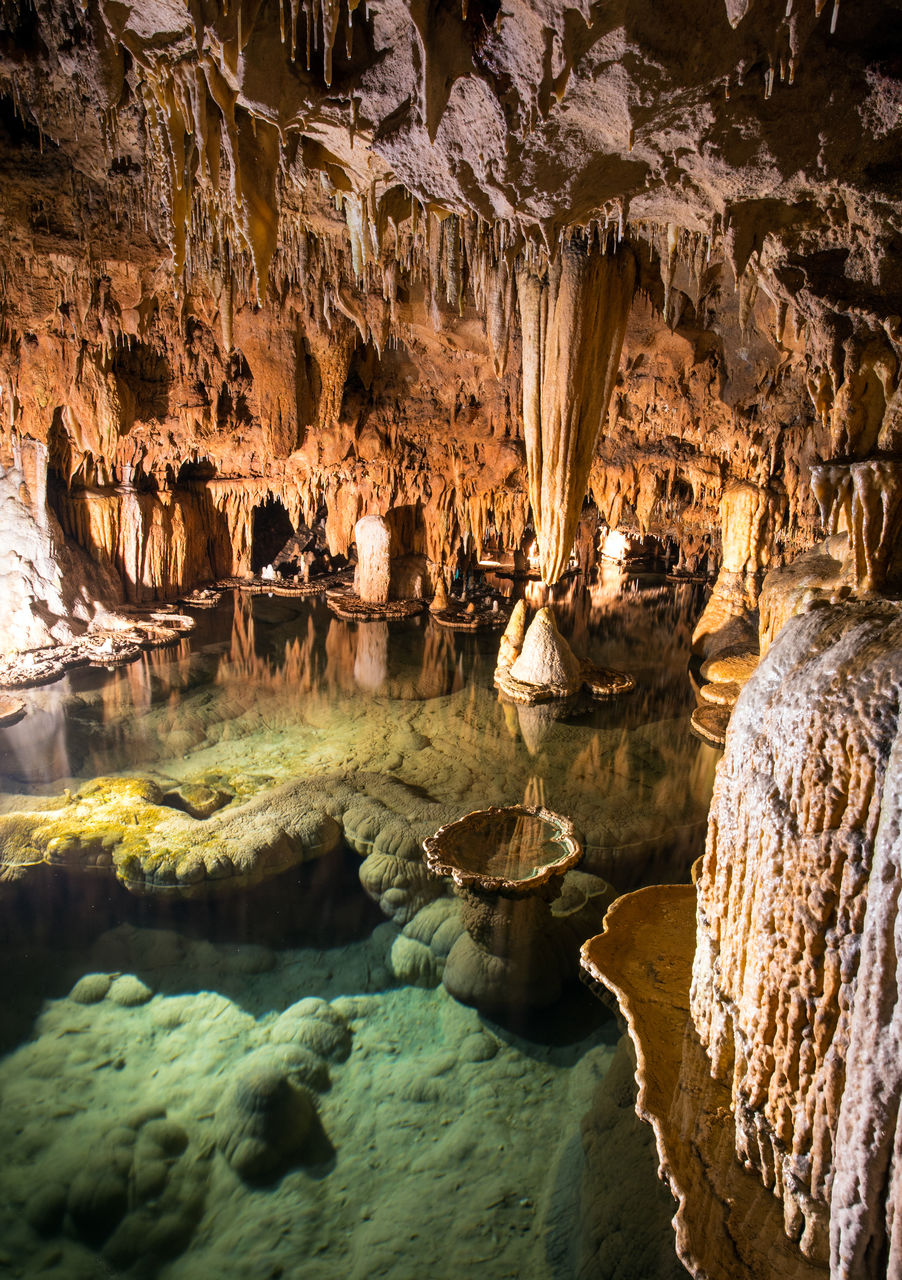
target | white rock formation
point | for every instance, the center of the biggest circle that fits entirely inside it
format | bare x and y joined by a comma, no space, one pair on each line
51,591
546,658
373,576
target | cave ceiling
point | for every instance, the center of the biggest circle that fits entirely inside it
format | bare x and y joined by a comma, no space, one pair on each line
289,241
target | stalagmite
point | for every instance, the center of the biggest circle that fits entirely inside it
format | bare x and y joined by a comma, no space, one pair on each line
512,639
546,658
440,599
373,538
794,983
747,515
573,322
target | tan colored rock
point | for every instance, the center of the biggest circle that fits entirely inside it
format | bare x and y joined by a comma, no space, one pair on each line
804,788
731,665
727,1224
440,599
11,710
710,722
512,639
867,498
821,575
573,323
722,693
747,517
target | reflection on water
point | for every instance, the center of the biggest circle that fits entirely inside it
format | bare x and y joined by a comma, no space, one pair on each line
269,689
430,1165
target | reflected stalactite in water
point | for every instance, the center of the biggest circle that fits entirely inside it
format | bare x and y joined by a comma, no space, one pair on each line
534,794
341,654
439,662
243,648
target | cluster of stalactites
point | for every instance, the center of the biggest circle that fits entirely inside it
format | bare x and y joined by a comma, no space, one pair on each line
676,247
221,162
863,499
786,44
853,385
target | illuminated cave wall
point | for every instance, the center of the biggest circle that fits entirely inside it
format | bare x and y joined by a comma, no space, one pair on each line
293,247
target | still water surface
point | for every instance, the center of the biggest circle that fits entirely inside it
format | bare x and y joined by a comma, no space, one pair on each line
445,1142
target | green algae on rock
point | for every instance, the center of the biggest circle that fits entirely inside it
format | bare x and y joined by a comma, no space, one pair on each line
122,826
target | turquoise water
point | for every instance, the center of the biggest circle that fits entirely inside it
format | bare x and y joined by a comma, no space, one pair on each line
273,1081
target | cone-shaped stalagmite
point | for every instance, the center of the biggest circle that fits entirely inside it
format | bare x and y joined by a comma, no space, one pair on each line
546,658
573,324
512,640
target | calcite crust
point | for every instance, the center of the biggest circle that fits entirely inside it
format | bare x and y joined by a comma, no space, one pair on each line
804,795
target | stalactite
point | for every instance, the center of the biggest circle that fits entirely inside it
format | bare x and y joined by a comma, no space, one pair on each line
334,364
865,497
573,323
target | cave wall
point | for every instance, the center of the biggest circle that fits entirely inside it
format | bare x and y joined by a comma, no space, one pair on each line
284,243
421,421
794,982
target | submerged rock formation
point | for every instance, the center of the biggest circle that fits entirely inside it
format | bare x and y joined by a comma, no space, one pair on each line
266,1118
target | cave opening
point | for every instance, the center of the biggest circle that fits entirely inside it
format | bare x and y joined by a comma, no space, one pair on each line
271,531
144,377
196,471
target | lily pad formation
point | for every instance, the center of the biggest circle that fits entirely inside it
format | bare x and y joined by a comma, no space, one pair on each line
106,646
516,849
519,928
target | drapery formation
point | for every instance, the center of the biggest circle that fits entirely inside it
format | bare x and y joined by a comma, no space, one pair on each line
573,320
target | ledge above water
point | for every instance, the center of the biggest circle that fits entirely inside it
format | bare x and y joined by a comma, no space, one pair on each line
728,1226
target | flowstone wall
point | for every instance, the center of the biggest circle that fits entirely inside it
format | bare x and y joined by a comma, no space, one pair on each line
795,984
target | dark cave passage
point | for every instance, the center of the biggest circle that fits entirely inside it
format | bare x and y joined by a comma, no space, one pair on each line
271,530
